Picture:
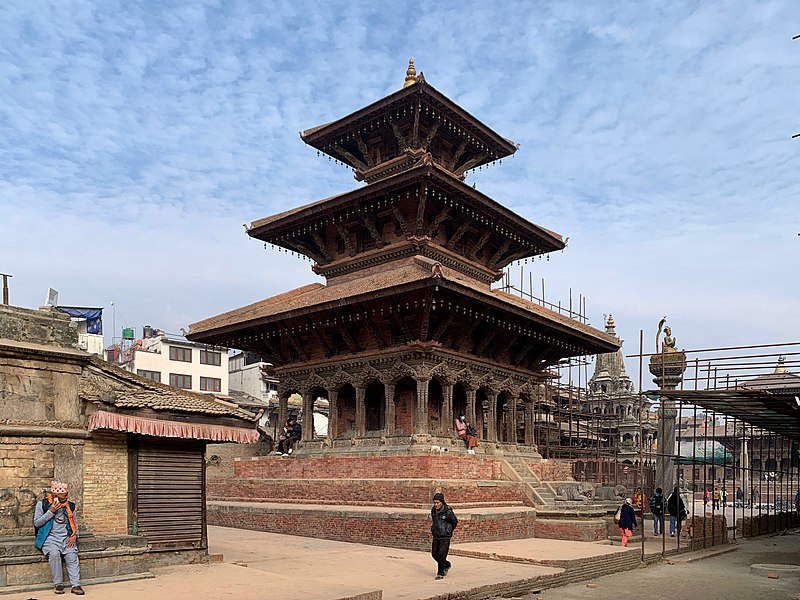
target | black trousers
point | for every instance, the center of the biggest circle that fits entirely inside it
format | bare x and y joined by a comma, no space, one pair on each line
439,550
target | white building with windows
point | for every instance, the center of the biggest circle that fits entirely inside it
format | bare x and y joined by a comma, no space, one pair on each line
177,362
247,374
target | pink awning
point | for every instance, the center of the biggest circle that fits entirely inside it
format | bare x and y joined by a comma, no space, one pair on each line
172,429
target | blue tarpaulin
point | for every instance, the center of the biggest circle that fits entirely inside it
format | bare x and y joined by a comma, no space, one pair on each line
93,316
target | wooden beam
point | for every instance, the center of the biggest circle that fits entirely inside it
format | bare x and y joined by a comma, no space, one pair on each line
480,243
415,129
400,322
317,333
500,251
482,345
358,163
442,326
374,332
368,220
422,196
401,220
458,154
402,144
431,134
295,343
362,147
459,233
466,334
426,316
438,220
348,245
321,245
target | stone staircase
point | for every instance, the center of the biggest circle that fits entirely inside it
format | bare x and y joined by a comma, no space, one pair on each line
538,492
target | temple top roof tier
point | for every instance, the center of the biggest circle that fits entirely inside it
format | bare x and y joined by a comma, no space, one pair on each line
393,133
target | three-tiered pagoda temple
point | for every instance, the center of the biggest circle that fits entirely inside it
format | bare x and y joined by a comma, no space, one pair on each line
408,333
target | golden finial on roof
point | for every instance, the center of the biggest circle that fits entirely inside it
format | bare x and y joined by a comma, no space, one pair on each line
781,366
411,74
610,322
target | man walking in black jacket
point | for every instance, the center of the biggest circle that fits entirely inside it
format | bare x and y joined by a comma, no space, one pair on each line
443,522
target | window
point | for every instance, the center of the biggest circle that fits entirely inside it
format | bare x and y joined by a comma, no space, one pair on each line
180,381
210,358
210,384
182,354
151,375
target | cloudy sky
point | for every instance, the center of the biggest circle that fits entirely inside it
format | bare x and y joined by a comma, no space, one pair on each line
137,137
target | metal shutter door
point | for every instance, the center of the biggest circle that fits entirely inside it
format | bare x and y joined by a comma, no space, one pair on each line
169,495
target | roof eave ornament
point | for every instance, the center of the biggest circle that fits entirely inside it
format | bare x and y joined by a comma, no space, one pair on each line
411,74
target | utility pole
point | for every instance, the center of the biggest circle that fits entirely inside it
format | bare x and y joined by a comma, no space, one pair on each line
5,287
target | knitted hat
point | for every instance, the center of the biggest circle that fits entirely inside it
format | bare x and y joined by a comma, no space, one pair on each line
439,496
56,487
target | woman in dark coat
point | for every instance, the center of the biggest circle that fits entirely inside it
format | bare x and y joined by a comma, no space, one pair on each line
627,521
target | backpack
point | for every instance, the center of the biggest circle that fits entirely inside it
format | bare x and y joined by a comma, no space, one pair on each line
656,504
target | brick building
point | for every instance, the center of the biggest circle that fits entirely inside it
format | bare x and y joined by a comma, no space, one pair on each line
132,451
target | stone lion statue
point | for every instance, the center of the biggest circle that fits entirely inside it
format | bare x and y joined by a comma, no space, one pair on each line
608,492
575,492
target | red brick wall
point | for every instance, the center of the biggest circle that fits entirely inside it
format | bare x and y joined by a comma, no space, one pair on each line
362,492
552,469
346,417
763,524
398,530
372,467
584,531
404,410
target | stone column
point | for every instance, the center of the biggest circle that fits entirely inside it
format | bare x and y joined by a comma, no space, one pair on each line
667,369
333,414
421,414
360,411
308,417
471,408
447,410
491,425
389,410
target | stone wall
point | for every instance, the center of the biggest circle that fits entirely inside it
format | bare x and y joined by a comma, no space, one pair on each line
44,326
105,484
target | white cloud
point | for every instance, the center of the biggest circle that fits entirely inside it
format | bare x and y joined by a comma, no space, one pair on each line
137,138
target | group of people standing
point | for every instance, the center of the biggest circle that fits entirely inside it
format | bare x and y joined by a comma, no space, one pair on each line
674,505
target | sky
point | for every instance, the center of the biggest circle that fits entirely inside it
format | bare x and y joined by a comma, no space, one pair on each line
137,137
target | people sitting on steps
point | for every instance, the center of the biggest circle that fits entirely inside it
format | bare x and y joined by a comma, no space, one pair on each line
292,432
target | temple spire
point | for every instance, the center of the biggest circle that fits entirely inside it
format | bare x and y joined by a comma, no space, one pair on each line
411,74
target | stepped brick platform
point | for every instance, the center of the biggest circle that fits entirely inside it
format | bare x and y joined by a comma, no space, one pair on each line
103,558
374,525
385,499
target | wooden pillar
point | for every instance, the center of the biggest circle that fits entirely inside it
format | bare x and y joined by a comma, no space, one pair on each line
333,414
511,420
447,410
308,417
491,425
283,409
389,410
471,416
361,411
528,423
421,414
